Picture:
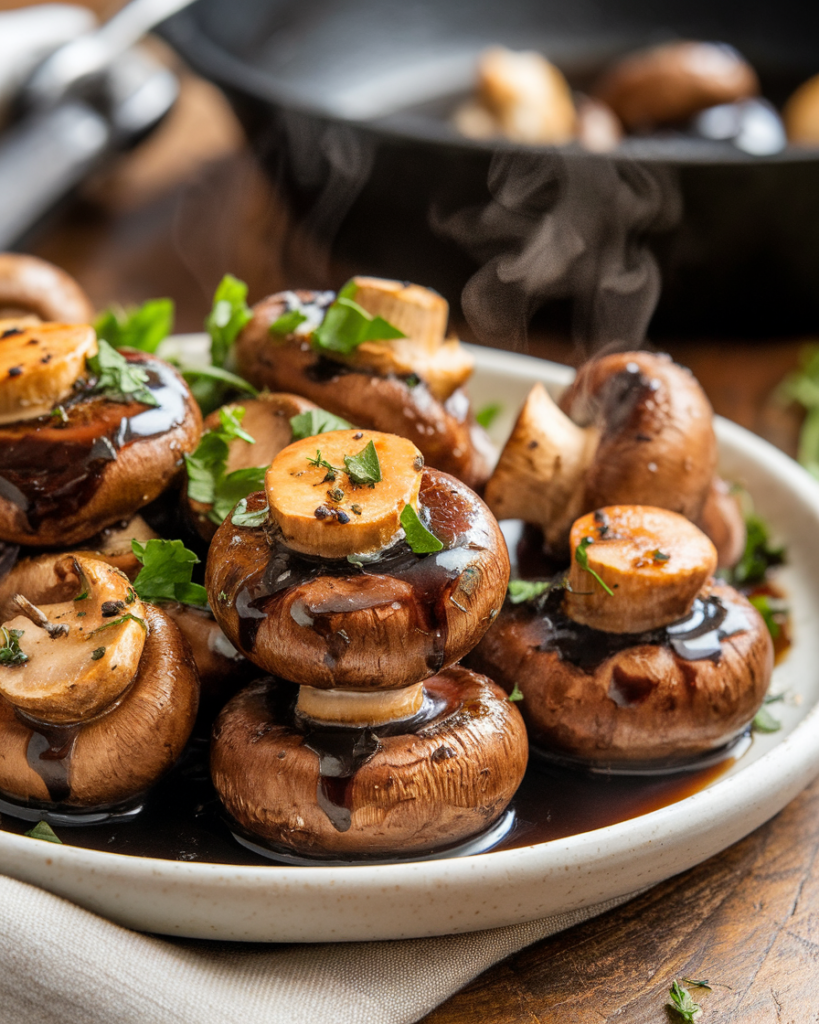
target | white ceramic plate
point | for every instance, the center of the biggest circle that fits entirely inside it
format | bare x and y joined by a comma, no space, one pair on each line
316,904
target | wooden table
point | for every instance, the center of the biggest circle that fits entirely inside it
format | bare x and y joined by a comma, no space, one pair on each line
188,206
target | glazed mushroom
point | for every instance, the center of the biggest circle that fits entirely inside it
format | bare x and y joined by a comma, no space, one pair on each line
363,577
395,788
410,385
98,696
633,427
31,286
345,619
267,420
78,452
674,81
644,661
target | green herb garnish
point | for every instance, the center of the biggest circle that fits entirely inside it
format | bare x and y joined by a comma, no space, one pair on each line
166,571
241,516
287,323
773,612
582,558
346,325
420,540
682,1002
208,482
659,556
118,379
760,554
59,414
488,414
764,721
42,830
10,653
320,463
82,597
141,327
211,383
516,694
97,654
697,984
364,468
229,314
127,617
315,421
527,590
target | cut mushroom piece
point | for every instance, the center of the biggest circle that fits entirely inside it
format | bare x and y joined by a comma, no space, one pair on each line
30,285
78,657
635,568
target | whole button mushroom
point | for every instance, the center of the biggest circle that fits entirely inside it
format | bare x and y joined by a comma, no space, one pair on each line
644,661
672,82
361,576
378,356
801,114
30,286
98,696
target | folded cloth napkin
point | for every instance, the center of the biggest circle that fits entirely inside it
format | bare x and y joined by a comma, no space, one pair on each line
59,962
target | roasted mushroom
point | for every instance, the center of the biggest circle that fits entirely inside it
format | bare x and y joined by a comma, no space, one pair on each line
31,286
98,696
633,427
82,448
643,661
408,383
364,577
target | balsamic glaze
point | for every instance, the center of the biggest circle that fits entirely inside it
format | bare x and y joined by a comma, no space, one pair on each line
52,470
48,753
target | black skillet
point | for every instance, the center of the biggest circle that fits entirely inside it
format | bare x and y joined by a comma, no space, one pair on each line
346,102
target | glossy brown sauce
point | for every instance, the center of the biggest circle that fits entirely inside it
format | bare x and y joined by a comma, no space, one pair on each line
53,469
48,753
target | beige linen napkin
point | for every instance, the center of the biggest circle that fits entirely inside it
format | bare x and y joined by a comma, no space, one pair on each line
59,962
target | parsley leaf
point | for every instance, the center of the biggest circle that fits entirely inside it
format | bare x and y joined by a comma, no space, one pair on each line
241,516
764,721
229,314
420,540
760,554
118,379
141,327
166,571
346,325
316,421
486,417
364,468
42,830
582,558
527,590
287,322
234,487
10,653
772,611
682,1002
516,694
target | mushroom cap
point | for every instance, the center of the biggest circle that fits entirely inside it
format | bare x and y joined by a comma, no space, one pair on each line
267,420
674,81
657,443
381,626
117,756
722,521
641,704
60,484
445,432
404,788
30,285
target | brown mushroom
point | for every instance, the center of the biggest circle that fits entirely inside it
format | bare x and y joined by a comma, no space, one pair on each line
316,789
381,624
722,521
65,477
412,390
29,285
267,420
632,428
685,682
801,114
674,81
91,717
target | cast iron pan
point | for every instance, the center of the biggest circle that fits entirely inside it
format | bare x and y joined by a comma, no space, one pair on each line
347,103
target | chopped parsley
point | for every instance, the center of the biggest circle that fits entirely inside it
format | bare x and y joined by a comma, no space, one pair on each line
82,597
420,540
118,379
167,567
772,611
10,653
516,694
42,830
287,323
682,1002
486,416
208,483
347,325
659,556
364,468
527,590
759,555
315,421
229,314
127,617
582,558
764,721
141,327
241,516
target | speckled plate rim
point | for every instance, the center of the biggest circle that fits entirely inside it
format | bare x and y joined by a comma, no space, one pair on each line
300,904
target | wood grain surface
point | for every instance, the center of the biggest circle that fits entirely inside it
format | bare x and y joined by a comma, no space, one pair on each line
191,204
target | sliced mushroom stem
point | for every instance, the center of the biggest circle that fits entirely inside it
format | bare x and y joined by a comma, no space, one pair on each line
352,707
540,475
39,618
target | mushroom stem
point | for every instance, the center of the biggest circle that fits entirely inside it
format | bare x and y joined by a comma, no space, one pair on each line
352,707
39,618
